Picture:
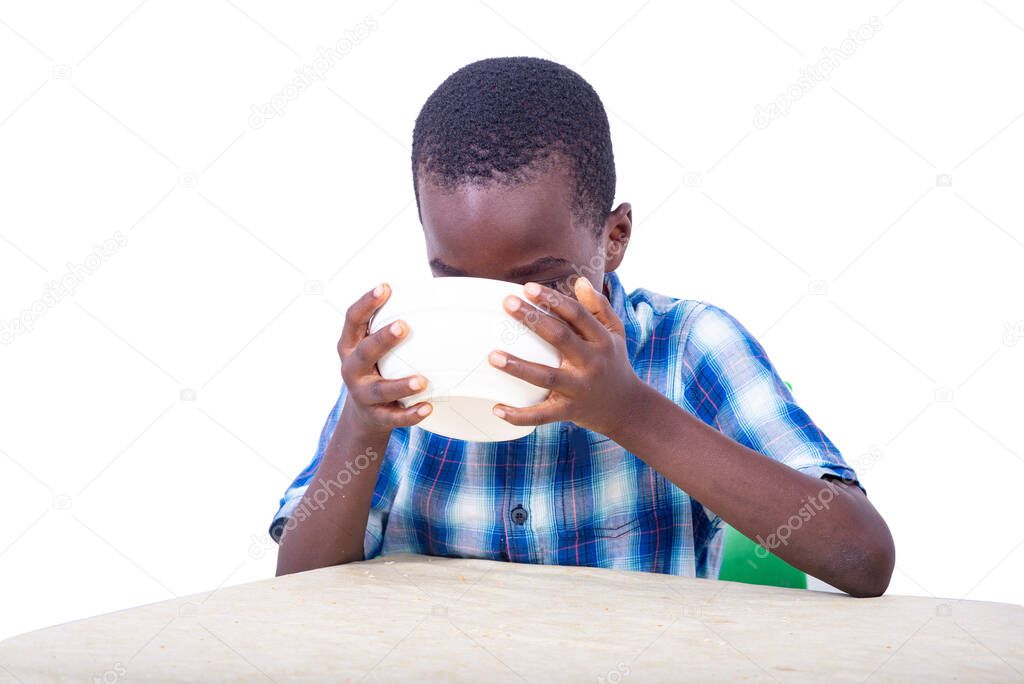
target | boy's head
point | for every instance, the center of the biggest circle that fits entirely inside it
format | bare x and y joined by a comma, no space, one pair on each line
514,175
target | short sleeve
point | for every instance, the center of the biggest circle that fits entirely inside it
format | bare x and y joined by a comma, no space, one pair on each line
293,494
734,387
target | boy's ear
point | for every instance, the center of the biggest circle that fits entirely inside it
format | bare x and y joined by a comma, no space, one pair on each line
617,229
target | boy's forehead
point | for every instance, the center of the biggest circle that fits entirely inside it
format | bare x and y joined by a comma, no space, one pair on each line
481,229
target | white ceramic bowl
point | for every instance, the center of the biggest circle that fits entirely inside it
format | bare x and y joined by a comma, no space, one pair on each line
454,323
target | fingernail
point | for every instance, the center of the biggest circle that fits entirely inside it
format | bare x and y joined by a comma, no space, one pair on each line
512,303
500,412
498,359
397,328
424,410
532,289
379,290
416,384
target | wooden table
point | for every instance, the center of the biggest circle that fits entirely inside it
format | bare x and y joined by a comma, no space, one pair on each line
413,617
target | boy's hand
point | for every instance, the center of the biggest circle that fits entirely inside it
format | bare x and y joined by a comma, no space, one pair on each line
372,400
595,383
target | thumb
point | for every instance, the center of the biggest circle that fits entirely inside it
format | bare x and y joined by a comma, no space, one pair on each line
596,303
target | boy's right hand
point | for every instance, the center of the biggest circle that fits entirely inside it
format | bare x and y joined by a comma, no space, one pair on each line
372,399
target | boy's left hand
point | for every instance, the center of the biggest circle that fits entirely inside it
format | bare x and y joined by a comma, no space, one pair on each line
595,383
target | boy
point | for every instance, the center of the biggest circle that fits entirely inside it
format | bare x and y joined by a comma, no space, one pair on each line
662,411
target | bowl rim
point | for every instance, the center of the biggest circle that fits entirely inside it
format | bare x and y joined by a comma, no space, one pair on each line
405,308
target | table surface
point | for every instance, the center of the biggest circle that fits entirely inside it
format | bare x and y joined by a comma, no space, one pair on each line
399,617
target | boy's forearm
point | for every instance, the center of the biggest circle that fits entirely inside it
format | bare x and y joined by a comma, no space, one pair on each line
331,526
839,538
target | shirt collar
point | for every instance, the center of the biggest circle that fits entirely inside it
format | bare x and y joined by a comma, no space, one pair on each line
623,308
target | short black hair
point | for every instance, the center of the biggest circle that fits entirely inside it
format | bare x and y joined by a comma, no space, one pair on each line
503,118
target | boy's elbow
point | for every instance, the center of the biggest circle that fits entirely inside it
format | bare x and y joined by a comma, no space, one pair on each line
872,571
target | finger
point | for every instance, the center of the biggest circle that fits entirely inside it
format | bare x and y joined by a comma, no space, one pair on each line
598,306
545,412
358,316
566,308
552,329
372,347
534,373
376,390
399,416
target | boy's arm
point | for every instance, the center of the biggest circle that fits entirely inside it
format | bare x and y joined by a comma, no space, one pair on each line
333,529
840,538
843,539
328,526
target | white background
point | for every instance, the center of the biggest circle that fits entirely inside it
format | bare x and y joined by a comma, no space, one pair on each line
872,283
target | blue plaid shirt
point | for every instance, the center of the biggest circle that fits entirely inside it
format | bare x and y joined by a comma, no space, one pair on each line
565,495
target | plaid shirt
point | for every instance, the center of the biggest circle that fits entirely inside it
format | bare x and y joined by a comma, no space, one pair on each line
566,495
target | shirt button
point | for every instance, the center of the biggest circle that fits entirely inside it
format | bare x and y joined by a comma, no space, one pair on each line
519,515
